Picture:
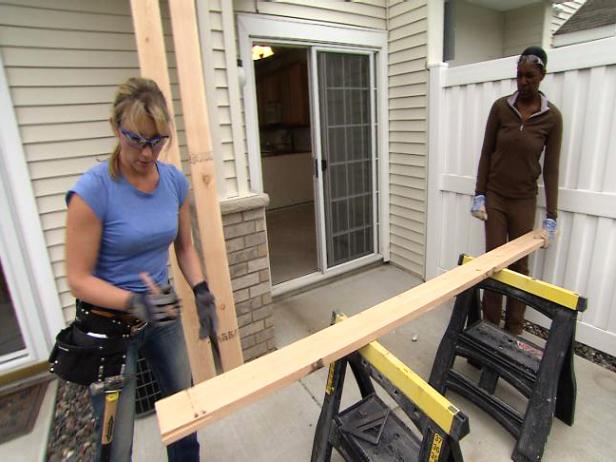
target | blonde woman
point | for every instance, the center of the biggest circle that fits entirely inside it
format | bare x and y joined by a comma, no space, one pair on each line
122,216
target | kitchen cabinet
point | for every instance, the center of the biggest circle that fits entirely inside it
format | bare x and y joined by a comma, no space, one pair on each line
282,95
296,107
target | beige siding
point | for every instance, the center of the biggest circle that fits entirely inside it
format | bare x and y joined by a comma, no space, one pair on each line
407,131
63,61
563,12
478,33
523,28
365,13
217,91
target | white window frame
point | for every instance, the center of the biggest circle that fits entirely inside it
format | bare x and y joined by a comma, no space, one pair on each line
254,28
24,255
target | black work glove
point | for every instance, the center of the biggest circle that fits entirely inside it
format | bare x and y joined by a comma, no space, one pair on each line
206,309
155,309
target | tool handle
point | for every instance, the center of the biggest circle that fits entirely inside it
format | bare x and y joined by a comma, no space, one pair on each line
111,406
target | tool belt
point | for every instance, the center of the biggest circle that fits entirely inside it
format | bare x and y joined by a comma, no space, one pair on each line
94,346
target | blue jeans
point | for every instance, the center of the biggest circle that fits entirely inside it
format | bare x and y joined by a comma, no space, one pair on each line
164,349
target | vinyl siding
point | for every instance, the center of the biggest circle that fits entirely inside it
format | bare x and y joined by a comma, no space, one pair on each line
523,28
407,26
63,61
366,13
217,92
478,33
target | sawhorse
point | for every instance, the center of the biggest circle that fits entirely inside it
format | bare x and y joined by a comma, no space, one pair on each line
368,431
545,376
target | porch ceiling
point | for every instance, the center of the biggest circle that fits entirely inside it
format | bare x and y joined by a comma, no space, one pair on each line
499,5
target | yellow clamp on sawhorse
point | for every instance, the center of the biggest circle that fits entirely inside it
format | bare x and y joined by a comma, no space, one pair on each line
369,431
544,375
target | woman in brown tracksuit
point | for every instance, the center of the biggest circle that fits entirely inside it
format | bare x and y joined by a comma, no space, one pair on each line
519,129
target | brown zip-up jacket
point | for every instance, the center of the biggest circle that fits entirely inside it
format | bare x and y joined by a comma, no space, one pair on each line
509,162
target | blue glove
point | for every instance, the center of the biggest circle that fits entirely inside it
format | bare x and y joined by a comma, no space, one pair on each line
478,210
549,231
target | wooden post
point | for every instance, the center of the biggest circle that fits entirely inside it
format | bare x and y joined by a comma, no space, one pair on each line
153,63
189,410
194,105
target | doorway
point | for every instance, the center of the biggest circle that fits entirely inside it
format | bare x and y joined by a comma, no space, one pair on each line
283,105
316,113
346,84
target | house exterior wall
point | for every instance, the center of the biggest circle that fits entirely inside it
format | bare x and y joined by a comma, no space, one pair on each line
407,32
221,98
523,27
63,61
366,13
478,33
62,65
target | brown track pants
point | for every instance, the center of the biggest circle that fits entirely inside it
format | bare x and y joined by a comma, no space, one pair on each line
508,219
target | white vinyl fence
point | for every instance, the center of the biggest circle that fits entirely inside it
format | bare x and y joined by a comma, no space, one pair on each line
581,81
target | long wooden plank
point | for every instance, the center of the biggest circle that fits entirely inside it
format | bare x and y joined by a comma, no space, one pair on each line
185,412
202,167
153,63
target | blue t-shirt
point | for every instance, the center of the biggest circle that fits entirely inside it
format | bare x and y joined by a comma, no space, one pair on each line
138,227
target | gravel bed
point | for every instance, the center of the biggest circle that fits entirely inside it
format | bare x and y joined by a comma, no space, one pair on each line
584,351
71,437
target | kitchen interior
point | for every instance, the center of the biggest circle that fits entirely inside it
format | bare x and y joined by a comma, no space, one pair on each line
283,100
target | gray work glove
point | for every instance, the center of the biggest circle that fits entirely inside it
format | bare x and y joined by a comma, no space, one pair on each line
155,309
206,309
478,209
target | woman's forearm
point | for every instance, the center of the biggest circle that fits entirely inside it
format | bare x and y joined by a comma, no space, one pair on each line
98,292
190,266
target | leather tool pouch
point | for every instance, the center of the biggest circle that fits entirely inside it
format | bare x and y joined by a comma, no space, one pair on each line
83,359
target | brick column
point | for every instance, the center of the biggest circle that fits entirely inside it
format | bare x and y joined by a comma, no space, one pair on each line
246,239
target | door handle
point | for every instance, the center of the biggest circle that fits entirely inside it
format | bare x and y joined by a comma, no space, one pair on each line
316,166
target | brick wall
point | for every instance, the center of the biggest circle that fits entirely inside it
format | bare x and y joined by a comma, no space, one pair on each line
247,252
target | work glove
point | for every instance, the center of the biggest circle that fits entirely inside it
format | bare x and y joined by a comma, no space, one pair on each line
156,309
206,309
548,232
478,210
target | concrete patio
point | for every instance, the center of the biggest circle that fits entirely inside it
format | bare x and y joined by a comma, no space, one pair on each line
280,428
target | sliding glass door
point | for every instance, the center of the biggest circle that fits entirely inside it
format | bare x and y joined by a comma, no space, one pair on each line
346,154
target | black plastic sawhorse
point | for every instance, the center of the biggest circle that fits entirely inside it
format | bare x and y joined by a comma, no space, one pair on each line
544,375
369,431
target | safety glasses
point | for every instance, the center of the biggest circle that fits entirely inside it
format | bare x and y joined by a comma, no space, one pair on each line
531,59
139,142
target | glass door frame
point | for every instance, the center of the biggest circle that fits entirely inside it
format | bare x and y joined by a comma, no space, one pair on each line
317,147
